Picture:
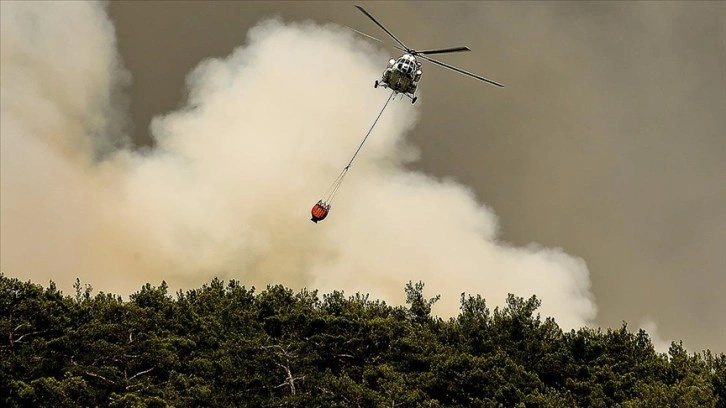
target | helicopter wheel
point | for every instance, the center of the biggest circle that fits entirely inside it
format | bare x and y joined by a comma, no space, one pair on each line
376,84
413,100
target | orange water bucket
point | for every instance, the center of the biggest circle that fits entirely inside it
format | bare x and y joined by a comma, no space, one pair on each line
319,212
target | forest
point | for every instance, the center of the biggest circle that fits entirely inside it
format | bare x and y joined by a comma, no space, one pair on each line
227,345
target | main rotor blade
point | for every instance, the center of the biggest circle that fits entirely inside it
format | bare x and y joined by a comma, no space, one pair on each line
381,25
443,50
461,71
363,34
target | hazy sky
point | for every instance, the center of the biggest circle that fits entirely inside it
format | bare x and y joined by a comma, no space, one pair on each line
607,140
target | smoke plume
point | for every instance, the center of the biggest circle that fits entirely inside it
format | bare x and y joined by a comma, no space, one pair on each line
226,190
660,344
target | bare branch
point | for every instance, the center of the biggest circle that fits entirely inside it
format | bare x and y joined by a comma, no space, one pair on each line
282,350
290,378
29,334
99,376
284,354
20,325
140,373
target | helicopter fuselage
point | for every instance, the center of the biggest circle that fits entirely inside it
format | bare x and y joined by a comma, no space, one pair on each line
402,75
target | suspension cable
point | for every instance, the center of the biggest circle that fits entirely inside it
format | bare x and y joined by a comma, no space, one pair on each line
333,189
369,131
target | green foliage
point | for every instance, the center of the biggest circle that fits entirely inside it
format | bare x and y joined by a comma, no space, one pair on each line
226,345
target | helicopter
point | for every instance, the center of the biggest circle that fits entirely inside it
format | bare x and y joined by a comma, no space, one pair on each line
403,74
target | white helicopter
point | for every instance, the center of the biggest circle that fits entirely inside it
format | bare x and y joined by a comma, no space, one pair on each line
402,75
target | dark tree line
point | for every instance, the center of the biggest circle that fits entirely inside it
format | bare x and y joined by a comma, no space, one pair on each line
225,345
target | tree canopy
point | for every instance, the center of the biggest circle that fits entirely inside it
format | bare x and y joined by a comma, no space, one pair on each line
224,344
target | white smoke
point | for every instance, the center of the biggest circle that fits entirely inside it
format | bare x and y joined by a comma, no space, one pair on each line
228,188
660,344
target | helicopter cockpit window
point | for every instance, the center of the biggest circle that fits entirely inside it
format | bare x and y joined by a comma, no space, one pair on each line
406,67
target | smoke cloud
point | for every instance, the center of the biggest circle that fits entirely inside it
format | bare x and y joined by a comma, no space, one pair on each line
660,344
227,189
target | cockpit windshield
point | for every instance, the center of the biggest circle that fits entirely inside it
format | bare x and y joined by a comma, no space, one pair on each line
405,66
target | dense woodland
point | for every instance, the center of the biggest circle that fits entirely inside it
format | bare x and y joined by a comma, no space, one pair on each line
225,345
